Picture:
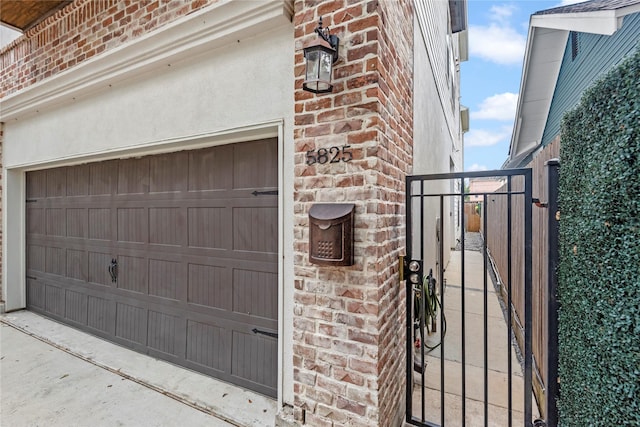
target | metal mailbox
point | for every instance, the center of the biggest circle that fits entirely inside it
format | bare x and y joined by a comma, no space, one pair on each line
331,233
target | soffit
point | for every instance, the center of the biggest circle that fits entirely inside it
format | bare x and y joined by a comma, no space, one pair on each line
24,14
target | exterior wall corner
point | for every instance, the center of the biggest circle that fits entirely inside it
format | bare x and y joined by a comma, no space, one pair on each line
348,352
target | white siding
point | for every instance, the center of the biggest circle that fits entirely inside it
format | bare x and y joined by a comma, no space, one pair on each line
437,131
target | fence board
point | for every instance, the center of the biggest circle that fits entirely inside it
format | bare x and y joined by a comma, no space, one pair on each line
496,242
472,217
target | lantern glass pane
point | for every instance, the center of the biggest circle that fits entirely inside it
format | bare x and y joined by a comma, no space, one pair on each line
326,62
312,64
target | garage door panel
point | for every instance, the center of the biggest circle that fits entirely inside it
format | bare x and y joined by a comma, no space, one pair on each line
55,261
255,229
99,268
54,300
56,223
100,224
77,265
36,258
36,223
37,185
163,334
131,323
255,358
167,226
77,223
35,293
78,181
208,345
165,278
197,263
209,169
76,307
133,274
255,293
101,314
132,225
209,286
133,176
57,182
103,177
253,164
168,173
214,221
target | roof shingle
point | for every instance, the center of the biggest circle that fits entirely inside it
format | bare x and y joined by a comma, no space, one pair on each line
589,6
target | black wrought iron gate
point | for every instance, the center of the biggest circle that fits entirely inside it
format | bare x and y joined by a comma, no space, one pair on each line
469,354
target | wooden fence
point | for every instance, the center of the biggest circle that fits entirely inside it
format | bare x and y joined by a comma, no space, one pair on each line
497,244
471,217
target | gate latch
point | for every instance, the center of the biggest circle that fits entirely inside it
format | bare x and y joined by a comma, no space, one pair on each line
113,270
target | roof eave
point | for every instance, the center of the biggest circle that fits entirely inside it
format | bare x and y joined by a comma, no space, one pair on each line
604,22
542,61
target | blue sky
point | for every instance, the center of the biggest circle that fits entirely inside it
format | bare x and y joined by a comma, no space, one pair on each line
490,79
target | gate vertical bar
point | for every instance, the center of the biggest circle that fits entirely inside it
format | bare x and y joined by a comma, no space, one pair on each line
552,386
409,306
528,318
485,313
441,266
509,306
462,305
422,297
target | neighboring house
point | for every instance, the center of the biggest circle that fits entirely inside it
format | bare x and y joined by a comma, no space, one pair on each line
157,179
568,49
483,185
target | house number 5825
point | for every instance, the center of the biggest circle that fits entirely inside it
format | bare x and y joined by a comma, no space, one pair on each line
330,155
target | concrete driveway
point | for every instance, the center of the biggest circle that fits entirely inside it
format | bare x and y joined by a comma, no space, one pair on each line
46,382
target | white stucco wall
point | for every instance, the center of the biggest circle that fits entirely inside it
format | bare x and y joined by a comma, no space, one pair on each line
215,91
241,90
437,134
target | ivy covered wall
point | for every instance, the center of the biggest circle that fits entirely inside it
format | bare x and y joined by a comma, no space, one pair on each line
599,270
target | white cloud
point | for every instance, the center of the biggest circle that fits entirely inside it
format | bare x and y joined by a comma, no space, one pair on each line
476,167
497,43
502,13
568,2
486,138
501,106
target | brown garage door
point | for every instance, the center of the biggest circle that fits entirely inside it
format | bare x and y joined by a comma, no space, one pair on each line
173,255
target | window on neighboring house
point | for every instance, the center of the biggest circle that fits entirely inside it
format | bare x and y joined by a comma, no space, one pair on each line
575,45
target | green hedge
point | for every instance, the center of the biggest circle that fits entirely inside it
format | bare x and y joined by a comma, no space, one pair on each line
599,270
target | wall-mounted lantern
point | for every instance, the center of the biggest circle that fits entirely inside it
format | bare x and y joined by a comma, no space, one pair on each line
320,54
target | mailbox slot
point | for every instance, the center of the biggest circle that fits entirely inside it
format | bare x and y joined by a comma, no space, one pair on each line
331,233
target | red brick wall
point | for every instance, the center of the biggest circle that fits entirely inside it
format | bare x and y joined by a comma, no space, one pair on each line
349,321
81,30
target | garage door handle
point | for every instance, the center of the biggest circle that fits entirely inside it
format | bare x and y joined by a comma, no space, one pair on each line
113,270
269,334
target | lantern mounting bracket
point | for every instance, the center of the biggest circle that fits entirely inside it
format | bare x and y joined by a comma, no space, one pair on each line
333,40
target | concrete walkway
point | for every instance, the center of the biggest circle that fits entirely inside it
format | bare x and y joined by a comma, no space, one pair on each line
52,375
499,350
